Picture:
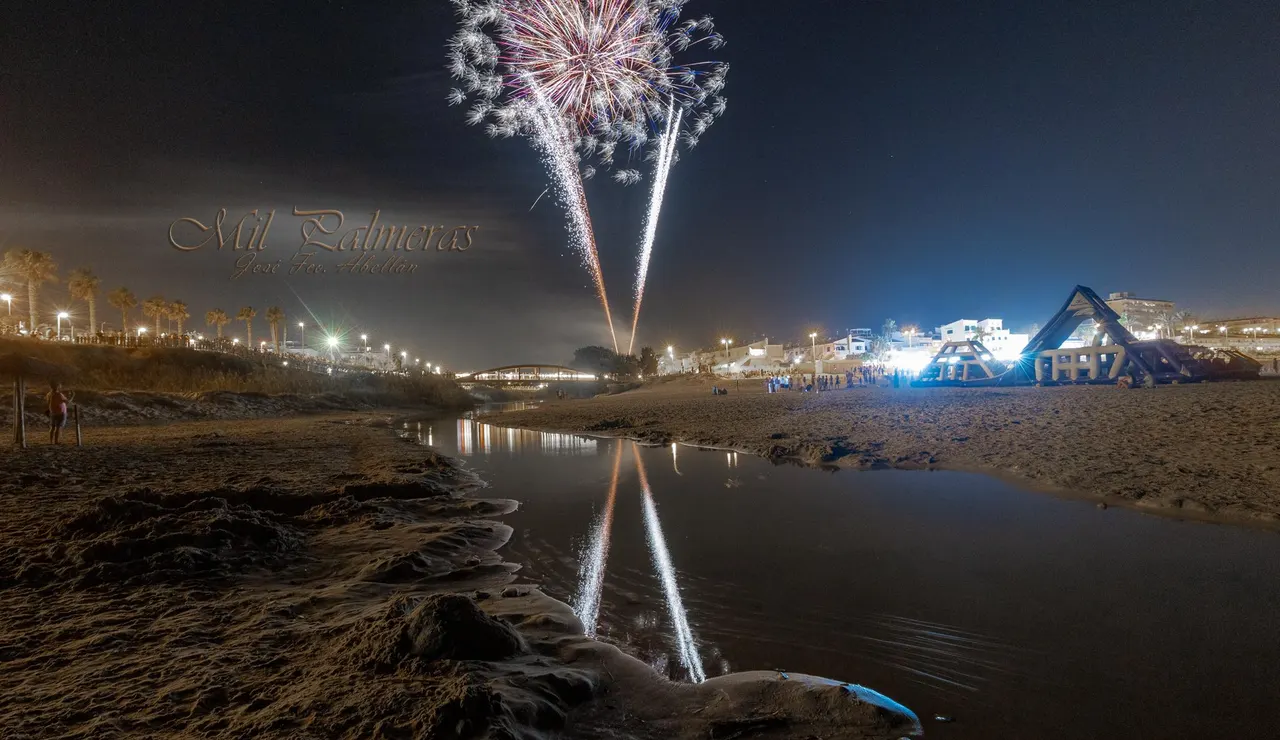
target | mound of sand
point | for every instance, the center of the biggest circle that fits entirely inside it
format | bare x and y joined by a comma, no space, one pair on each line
412,633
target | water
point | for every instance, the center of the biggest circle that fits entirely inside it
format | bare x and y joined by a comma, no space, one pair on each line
1017,613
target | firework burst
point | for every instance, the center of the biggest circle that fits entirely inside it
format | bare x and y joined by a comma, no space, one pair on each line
608,67
592,82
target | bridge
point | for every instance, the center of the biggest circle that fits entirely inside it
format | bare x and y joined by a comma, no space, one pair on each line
526,375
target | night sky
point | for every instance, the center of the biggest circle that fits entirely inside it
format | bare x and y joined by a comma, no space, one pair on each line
921,160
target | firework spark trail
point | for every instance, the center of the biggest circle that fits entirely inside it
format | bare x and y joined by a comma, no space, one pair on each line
552,141
591,576
666,153
685,642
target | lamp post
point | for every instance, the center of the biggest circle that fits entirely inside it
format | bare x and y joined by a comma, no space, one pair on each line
62,315
364,341
386,348
302,330
813,347
7,298
910,332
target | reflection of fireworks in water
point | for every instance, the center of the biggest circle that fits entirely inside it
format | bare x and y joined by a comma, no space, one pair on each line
685,643
666,150
591,575
552,141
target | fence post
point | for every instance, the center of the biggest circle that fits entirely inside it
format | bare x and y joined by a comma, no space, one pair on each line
79,439
20,408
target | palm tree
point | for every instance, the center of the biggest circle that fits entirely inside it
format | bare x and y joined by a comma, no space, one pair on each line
156,307
889,327
178,312
1180,322
246,315
219,318
35,268
123,299
275,315
84,287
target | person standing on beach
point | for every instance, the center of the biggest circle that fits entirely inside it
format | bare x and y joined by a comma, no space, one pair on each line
57,412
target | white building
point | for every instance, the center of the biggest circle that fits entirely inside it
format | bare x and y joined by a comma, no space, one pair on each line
1004,344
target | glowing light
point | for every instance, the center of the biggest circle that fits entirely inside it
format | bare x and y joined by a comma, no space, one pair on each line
685,642
552,142
64,315
591,575
332,342
665,151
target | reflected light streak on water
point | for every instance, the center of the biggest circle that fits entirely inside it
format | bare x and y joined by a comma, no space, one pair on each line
674,463
685,642
591,574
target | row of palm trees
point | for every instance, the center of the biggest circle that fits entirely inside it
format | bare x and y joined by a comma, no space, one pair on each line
37,268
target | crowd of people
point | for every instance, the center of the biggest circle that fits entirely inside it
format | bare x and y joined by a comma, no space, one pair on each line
867,375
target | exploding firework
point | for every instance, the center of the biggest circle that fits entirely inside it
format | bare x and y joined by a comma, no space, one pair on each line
608,67
686,645
666,153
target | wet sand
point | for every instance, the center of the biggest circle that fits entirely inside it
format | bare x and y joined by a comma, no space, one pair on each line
318,577
1204,451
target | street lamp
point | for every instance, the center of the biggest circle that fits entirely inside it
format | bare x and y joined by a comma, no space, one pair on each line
302,329
62,315
364,341
386,348
813,346
7,298
910,332
141,330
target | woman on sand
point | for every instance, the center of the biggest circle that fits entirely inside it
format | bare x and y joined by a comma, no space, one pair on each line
57,412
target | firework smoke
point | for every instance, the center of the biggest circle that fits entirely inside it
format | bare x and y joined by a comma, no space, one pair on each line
685,643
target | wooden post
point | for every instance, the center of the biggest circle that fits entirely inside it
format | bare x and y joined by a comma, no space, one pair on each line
21,410
79,438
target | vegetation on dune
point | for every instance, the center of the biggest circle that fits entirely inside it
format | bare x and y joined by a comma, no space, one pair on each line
175,370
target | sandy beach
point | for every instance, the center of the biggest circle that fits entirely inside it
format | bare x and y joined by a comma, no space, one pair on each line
319,577
1205,451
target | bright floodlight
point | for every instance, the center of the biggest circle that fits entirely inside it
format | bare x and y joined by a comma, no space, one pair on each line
236,340
64,315
813,335
333,341
386,347
5,297
404,355
300,324
142,330
364,337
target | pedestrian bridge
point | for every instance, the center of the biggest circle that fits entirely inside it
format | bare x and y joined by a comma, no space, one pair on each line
527,375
